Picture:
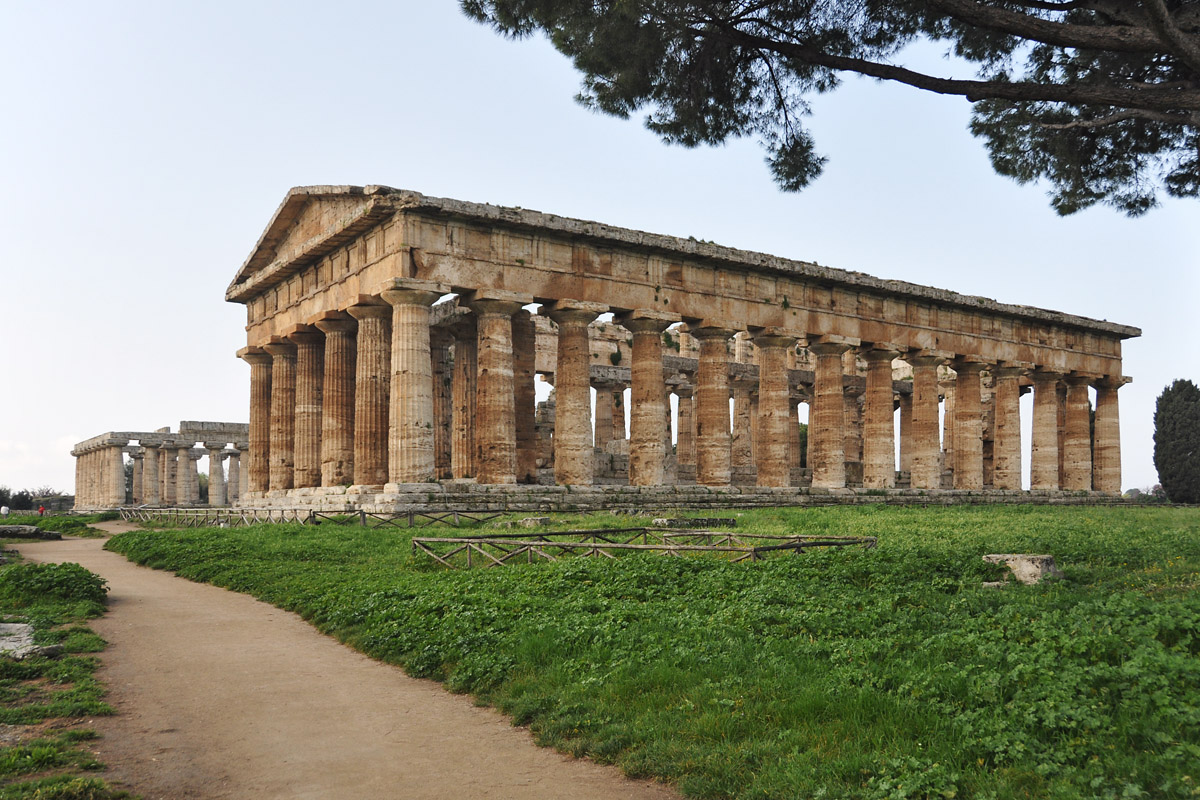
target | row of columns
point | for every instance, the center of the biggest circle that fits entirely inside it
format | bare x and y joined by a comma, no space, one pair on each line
360,398
164,474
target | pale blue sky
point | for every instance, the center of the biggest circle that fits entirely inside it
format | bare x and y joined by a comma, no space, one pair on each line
144,147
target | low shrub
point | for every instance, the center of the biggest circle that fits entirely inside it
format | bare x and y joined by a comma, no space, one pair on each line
26,584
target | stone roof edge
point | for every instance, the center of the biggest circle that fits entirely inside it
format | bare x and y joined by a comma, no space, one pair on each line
405,199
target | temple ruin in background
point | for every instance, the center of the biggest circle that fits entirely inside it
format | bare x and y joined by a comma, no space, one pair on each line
165,466
394,358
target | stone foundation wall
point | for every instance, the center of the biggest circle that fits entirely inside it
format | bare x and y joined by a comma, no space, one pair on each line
395,498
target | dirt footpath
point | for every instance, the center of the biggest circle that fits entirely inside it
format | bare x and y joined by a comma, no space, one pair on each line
221,696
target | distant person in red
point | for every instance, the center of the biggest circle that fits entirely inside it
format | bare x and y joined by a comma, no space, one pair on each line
41,511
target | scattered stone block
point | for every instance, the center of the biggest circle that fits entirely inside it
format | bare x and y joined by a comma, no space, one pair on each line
1026,568
27,532
16,642
533,522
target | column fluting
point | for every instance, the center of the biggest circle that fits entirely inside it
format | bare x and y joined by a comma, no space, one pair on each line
310,380
774,439
151,480
1106,472
1044,456
464,455
712,406
827,423
372,389
649,407
968,424
879,427
1077,443
337,400
1006,452
258,467
495,427
217,496
410,437
525,394
573,454
927,449
283,413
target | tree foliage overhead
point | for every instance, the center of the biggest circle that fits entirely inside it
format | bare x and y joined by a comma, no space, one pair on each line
1177,441
1099,97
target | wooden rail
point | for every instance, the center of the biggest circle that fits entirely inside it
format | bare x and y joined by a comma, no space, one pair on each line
500,549
241,517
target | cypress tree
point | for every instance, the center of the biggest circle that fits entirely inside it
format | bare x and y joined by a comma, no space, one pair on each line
1177,441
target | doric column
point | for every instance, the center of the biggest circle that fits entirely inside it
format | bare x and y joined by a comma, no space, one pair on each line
151,480
463,453
116,474
244,476
1077,444
1006,452
904,403
648,399
774,437
879,437
712,404
573,455
410,438
1106,472
183,475
310,379
827,422
234,479
495,427
337,400
170,466
927,448
194,457
853,404
440,362
1061,395
137,477
946,389
525,394
1044,458
741,452
619,431
258,467
604,417
685,442
217,495
795,451
283,413
372,387
968,423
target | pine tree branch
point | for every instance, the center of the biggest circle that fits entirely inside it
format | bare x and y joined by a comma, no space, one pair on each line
1121,116
972,90
1182,45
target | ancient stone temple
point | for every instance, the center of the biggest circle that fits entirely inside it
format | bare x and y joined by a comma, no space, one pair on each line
165,466
395,342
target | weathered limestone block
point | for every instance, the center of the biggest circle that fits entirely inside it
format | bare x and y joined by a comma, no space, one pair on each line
1026,568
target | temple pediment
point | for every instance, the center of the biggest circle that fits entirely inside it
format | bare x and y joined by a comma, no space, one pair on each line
311,222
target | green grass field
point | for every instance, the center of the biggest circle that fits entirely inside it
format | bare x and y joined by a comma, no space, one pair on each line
885,673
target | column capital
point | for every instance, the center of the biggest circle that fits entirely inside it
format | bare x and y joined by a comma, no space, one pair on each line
573,312
241,447
409,291
774,337
254,355
196,455
927,357
1047,374
339,324
878,351
361,311
495,302
1013,368
830,345
712,329
646,320
970,364
303,334
1111,381
1076,378
279,347
210,446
